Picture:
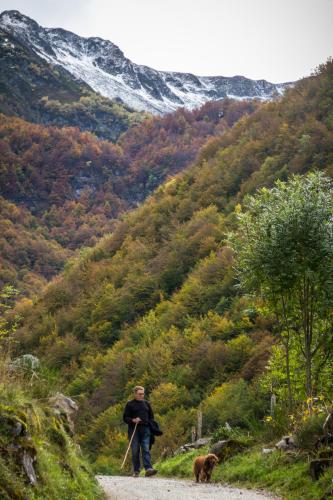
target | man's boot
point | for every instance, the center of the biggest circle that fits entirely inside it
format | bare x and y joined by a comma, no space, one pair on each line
150,472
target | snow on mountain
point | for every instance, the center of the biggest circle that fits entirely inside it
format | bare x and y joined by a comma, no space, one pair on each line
104,67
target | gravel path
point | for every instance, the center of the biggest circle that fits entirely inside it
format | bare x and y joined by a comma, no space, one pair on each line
155,488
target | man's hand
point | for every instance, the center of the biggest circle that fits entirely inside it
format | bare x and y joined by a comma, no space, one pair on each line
136,420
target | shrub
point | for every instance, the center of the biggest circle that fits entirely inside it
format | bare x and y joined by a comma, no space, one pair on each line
234,402
309,431
235,433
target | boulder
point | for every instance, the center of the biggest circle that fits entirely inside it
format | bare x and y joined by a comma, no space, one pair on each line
287,443
267,451
64,408
26,364
199,443
226,448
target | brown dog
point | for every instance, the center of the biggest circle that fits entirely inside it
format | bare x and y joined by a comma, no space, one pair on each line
203,467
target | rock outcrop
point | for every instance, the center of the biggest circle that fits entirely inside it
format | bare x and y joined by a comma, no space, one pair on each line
64,408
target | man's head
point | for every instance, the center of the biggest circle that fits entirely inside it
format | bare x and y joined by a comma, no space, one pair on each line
139,392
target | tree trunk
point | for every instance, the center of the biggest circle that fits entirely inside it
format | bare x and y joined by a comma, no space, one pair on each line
290,396
308,367
199,428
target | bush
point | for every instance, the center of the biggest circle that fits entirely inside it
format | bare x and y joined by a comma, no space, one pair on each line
168,395
234,402
309,431
176,425
234,433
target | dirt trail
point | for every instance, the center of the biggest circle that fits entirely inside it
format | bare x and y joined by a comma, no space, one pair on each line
129,488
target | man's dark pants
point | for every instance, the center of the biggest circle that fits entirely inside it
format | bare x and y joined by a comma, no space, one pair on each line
141,440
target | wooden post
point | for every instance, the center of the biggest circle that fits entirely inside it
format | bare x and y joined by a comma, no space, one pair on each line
273,404
199,423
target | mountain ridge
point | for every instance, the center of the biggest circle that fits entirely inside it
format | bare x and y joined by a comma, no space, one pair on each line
37,91
103,66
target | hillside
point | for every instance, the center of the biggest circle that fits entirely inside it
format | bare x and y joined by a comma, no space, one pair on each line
39,453
69,187
29,257
155,302
39,456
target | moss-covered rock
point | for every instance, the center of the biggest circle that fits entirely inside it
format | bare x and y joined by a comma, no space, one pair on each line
227,448
16,444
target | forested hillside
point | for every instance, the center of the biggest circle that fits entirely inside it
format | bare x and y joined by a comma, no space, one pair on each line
155,302
62,188
28,256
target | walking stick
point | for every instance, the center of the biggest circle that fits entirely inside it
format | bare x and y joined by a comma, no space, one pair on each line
122,465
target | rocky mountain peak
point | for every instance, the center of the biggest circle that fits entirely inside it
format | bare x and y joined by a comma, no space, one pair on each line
103,66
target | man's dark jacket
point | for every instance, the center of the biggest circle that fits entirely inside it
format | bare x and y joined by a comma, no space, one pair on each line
142,409
154,431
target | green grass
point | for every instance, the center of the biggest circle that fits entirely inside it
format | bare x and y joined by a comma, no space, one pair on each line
280,473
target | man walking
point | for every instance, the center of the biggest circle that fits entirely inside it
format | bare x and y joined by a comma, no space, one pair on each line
139,411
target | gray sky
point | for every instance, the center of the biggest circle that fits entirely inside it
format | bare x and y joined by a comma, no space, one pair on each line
279,40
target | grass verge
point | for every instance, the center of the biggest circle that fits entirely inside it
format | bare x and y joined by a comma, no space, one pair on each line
285,475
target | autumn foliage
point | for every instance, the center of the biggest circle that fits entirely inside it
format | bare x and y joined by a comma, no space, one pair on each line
71,186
